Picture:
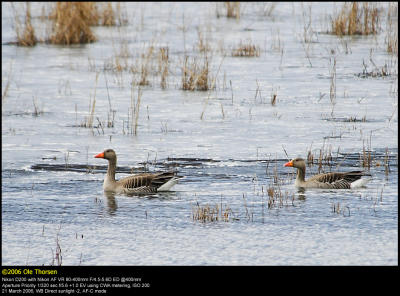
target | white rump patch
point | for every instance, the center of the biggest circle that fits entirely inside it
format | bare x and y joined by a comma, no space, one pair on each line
167,186
359,183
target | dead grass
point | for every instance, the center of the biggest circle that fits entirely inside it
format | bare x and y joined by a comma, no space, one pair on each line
332,88
277,198
232,9
57,256
163,66
71,23
228,9
108,17
134,110
366,156
203,43
392,33
386,162
36,110
209,213
323,159
274,95
146,57
119,62
268,8
7,85
196,75
94,13
355,119
211,87
388,69
88,122
25,33
246,49
355,20
339,209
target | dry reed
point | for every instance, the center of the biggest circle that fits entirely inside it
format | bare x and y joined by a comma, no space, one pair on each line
88,123
7,86
353,20
338,209
332,88
386,161
36,111
108,17
163,66
325,157
209,213
273,98
203,44
145,67
268,8
72,22
232,9
58,254
392,33
27,36
277,198
195,76
366,157
246,50
134,110
211,87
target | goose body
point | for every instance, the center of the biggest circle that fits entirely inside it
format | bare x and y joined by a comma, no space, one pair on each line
336,180
136,184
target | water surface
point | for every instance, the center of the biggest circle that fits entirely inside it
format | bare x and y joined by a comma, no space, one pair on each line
52,186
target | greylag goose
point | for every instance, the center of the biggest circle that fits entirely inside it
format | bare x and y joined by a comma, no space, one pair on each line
328,180
138,184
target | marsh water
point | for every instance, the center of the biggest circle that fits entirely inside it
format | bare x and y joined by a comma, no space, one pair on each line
229,143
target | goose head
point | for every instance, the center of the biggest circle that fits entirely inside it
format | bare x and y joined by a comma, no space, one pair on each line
107,154
296,163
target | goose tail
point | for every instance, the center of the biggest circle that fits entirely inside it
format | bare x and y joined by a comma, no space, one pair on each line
359,183
167,186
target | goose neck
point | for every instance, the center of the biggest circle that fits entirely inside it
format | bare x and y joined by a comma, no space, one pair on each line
301,173
112,165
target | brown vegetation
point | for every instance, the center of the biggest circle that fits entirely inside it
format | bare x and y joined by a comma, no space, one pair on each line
277,198
72,22
145,66
25,36
246,50
163,65
232,9
108,15
209,213
195,76
353,20
392,33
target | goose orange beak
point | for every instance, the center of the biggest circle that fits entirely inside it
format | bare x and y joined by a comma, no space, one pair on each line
100,155
289,164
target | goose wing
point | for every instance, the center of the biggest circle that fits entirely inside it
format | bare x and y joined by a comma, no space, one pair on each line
146,180
163,178
338,180
136,181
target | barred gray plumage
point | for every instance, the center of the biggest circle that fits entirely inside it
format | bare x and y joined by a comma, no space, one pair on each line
142,183
336,180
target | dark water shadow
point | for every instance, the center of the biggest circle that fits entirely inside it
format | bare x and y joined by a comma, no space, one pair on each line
112,204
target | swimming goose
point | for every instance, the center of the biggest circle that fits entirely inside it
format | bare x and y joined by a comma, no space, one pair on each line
138,184
328,180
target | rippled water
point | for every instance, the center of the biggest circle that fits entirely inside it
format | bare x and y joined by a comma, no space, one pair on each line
52,186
